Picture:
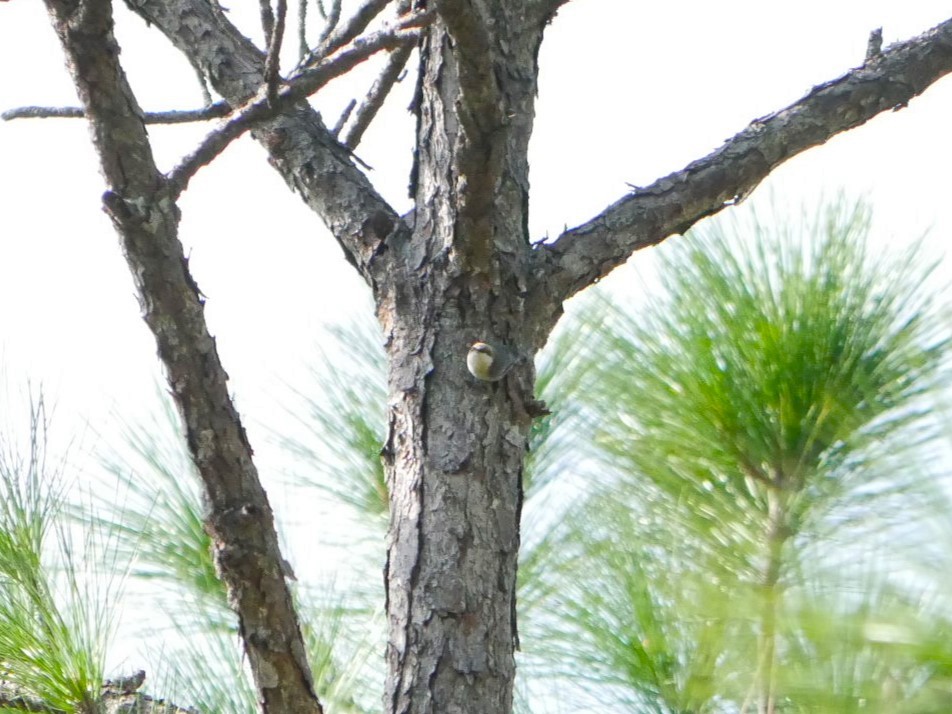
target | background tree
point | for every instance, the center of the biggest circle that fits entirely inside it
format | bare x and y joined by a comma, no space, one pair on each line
459,268
764,431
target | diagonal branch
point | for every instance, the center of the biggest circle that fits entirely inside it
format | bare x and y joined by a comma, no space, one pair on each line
299,87
239,520
300,147
671,205
377,95
335,37
331,16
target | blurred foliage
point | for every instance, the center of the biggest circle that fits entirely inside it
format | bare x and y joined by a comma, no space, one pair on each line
758,426
56,616
155,510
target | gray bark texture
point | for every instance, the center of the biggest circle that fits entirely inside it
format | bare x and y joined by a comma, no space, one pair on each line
240,519
455,448
460,268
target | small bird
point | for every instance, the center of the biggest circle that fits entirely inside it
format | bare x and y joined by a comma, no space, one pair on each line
490,361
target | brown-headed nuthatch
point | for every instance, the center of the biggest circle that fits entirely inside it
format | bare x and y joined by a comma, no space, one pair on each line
490,361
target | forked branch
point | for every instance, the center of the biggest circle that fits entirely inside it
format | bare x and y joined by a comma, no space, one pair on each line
299,145
334,37
298,87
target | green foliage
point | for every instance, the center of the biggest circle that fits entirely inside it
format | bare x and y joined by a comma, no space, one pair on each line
776,361
752,422
54,622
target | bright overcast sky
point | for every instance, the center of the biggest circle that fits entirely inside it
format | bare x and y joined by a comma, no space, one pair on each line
629,91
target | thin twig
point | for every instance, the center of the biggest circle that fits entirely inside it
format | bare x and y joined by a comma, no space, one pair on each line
272,65
330,42
175,116
202,83
267,19
181,116
377,95
302,30
874,45
344,116
297,88
331,18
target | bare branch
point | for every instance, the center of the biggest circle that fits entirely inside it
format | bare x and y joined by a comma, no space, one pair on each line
175,116
299,146
331,18
303,47
272,65
42,113
298,87
239,520
344,116
377,95
267,19
334,38
673,204
874,45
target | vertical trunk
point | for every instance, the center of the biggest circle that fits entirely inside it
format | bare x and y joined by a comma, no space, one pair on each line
455,449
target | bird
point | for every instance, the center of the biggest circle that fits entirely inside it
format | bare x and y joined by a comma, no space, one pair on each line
490,361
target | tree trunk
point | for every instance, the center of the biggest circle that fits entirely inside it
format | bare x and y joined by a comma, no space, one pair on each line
456,446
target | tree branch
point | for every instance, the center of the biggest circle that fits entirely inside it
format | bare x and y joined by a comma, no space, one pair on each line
297,88
239,520
176,116
671,205
300,147
333,37
272,65
377,95
302,30
331,17
267,19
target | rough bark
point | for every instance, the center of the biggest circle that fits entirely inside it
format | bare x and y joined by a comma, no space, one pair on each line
455,448
239,520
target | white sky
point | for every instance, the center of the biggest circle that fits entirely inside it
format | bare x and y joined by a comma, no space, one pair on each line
630,91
